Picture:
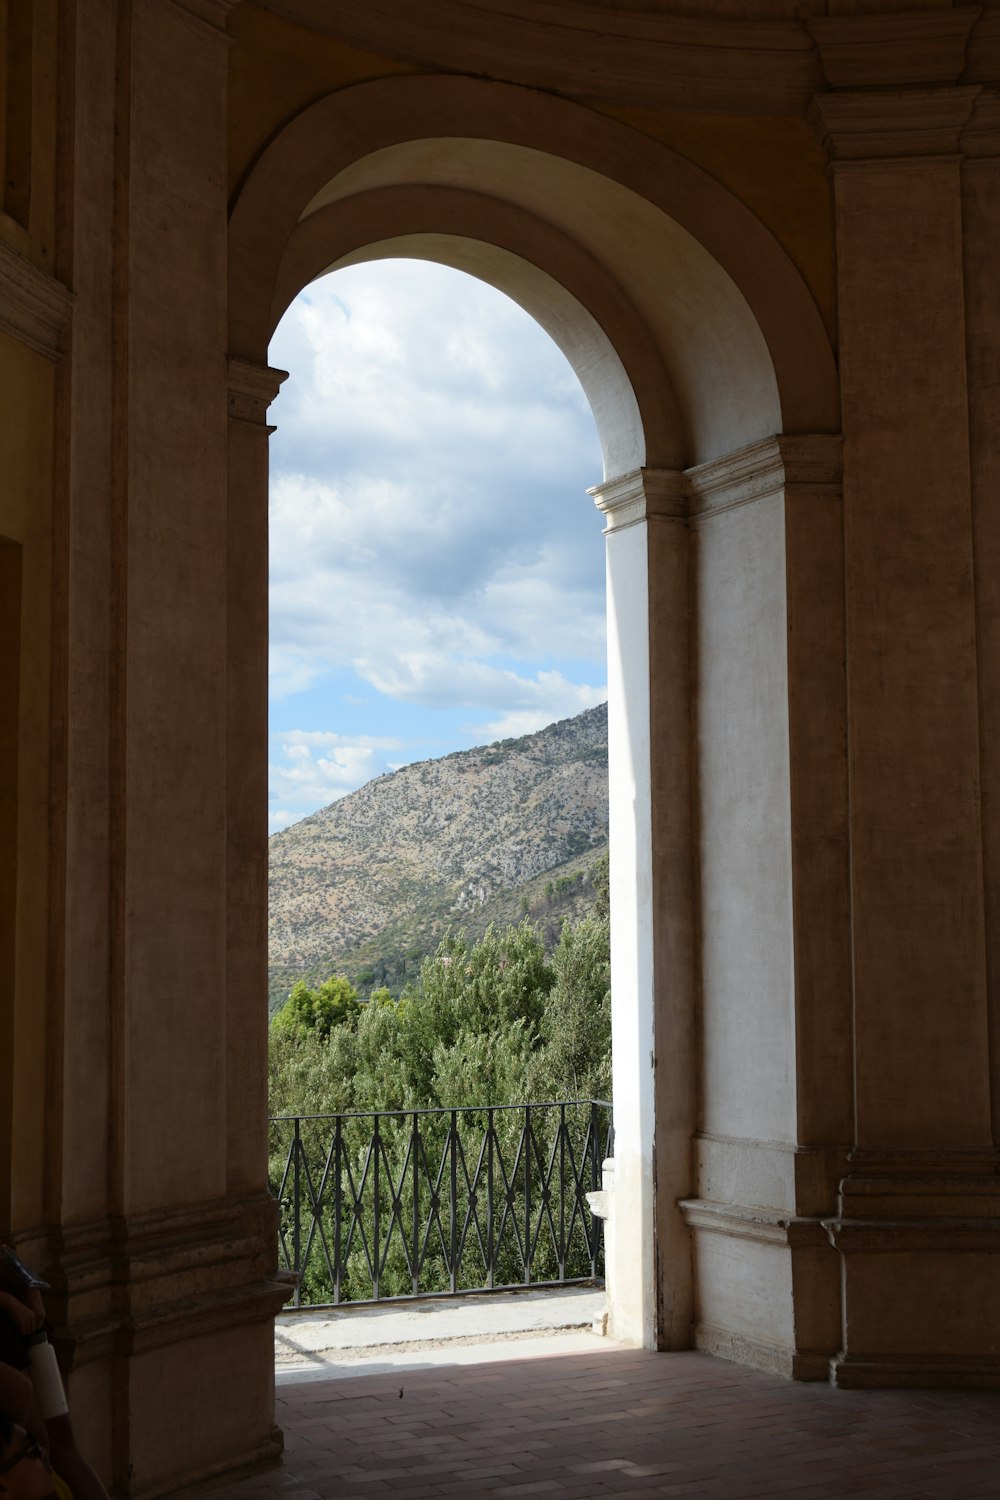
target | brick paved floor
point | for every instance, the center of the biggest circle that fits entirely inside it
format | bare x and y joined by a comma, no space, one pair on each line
625,1423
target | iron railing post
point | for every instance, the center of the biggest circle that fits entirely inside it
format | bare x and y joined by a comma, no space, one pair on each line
338,1201
453,1256
491,1254
297,1216
376,1225
415,1148
527,1195
562,1193
594,1234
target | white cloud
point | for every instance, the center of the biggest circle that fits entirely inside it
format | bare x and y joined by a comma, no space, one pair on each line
335,603
308,769
429,526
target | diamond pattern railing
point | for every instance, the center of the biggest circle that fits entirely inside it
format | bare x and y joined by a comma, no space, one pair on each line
376,1206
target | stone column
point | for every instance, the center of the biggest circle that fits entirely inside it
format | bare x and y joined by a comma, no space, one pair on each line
652,972
774,1118
164,1251
981,244
252,388
918,1225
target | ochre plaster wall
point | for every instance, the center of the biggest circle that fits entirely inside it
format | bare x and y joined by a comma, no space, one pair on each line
775,166
276,70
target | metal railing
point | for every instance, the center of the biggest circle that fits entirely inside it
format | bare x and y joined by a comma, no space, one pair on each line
377,1206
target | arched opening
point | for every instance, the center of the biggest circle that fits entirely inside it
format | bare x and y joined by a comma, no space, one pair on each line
704,359
437,577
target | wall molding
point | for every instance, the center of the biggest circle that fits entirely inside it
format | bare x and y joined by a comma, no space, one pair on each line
894,49
874,1372
749,1222
252,388
35,308
804,464
887,124
791,1364
642,495
770,467
635,54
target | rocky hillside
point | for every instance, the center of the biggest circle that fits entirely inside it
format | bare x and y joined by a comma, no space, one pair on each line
491,833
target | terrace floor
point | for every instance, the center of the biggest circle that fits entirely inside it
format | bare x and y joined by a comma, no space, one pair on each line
605,1420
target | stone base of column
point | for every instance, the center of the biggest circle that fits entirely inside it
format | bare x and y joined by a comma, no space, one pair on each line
767,1288
790,1364
165,1331
856,1373
919,1239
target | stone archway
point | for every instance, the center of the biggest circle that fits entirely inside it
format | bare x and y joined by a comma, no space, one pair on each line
712,382
823,1087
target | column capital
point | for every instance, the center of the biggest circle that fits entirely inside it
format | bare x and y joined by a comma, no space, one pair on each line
769,467
252,388
892,124
893,50
642,495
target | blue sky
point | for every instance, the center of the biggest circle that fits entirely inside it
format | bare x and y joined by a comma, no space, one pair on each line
437,569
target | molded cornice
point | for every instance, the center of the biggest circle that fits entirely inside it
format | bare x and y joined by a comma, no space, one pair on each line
614,53
810,464
870,124
635,54
252,388
891,50
770,467
34,307
642,495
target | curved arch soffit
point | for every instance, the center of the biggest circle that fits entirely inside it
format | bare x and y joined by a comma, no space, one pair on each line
457,229
733,322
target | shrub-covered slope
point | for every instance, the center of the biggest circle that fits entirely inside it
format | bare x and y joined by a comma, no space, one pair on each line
373,881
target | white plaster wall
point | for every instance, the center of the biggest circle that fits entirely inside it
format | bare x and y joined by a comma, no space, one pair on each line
743,1287
631,1273
747,1031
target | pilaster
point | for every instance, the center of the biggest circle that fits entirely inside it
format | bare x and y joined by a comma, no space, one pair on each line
916,1217
252,387
163,1251
981,249
775,1120
652,915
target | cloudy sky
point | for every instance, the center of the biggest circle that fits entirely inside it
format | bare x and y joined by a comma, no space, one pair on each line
437,571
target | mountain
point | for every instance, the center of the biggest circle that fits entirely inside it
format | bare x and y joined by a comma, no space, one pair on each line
369,884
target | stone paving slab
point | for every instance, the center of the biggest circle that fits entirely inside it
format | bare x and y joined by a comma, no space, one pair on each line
349,1364
367,1340
627,1423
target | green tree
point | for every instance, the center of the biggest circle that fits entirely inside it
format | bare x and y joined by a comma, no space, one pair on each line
493,1023
574,1061
320,1010
502,978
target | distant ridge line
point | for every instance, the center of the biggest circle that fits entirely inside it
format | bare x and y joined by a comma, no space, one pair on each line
381,874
